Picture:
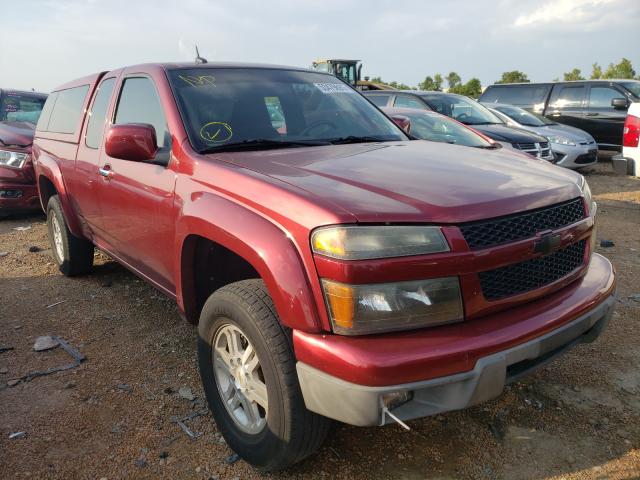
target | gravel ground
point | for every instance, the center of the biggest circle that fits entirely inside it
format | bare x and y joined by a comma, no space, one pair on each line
114,416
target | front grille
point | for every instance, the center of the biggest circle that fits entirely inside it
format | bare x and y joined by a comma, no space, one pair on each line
590,157
531,274
487,233
540,150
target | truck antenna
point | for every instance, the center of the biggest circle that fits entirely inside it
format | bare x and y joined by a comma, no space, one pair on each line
199,59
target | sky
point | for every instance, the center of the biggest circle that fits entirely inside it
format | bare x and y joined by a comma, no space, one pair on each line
44,43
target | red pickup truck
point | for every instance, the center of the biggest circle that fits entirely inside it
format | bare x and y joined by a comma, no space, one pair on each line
19,112
335,268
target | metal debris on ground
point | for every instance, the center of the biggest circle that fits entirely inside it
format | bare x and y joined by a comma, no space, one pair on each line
57,303
15,435
44,342
231,459
22,229
186,393
5,349
606,243
181,422
3,254
78,358
123,387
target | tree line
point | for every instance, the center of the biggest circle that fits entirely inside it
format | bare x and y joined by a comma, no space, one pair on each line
473,87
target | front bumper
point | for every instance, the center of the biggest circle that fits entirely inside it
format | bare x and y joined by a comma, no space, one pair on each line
492,367
17,197
575,156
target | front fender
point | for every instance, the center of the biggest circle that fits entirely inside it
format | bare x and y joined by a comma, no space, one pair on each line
266,246
46,167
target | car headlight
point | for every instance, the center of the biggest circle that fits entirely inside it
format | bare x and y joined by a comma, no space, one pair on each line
12,159
368,242
385,307
558,140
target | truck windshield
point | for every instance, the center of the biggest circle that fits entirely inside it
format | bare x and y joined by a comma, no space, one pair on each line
227,108
524,117
20,107
462,109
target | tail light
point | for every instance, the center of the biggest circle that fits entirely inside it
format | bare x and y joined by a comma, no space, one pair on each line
631,131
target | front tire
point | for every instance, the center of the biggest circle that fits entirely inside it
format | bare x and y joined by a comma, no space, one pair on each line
73,255
248,372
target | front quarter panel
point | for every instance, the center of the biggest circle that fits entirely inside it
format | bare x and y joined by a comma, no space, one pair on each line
266,246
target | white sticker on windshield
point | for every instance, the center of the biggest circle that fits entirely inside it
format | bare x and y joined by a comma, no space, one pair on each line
330,88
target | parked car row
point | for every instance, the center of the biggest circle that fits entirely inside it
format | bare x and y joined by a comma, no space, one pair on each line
336,269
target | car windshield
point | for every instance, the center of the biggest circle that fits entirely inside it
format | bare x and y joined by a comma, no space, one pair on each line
438,128
462,109
20,107
633,87
523,117
235,108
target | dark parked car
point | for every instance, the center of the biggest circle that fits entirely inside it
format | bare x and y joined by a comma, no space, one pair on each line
469,112
19,112
598,107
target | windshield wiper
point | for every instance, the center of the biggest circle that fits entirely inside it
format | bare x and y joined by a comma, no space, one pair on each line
14,144
259,143
489,147
356,139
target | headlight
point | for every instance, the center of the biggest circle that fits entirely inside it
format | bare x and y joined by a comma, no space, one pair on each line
558,140
385,307
362,242
12,159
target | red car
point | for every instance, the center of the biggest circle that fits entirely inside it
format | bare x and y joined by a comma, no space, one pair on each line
335,269
19,112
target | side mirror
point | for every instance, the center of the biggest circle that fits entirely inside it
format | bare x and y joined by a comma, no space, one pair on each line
619,103
131,141
403,122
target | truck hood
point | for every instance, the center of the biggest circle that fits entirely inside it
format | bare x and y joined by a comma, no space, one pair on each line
503,133
414,181
17,133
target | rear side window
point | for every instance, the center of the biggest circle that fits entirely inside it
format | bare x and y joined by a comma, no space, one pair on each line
98,113
379,100
67,110
516,95
43,121
405,101
568,97
139,103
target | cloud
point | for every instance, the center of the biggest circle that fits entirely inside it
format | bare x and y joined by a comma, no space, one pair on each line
563,12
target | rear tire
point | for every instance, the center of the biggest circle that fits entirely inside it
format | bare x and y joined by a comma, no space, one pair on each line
73,255
289,432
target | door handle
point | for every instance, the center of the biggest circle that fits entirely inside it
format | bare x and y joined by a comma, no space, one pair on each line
106,172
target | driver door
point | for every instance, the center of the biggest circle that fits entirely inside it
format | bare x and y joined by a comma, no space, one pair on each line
137,197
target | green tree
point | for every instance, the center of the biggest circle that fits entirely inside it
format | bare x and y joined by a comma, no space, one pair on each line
574,74
399,85
431,84
624,69
473,88
453,80
514,76
596,71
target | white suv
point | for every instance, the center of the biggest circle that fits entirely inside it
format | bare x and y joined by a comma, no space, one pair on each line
630,157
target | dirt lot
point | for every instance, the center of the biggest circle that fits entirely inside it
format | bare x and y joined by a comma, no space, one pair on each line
112,417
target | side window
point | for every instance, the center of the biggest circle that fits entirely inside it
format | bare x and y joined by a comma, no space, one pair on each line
98,113
379,100
45,116
405,101
600,97
139,103
569,97
67,110
276,114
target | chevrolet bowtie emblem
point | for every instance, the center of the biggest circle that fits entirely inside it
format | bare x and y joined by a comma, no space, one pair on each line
547,243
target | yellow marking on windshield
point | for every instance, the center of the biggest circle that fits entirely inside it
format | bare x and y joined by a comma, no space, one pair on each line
199,80
216,132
